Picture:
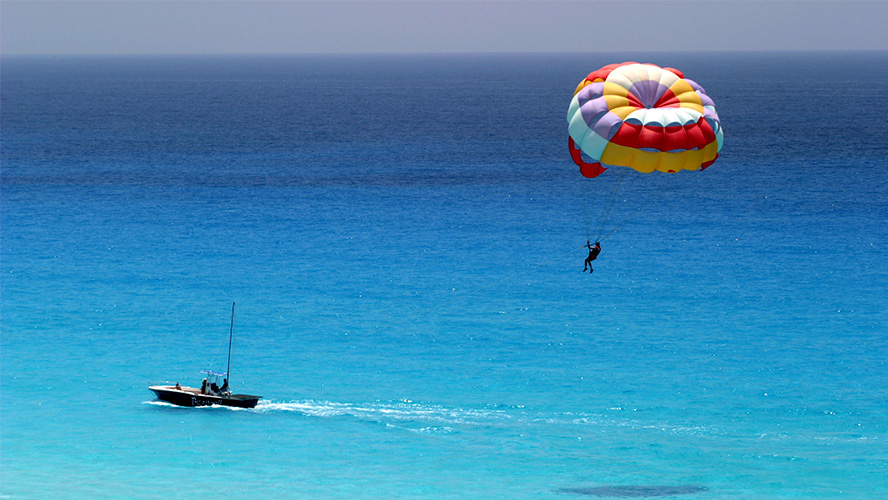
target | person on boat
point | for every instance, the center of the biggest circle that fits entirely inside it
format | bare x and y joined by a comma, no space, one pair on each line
178,387
593,254
203,387
214,389
224,387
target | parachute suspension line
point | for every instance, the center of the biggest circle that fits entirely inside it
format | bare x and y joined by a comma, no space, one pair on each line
638,211
587,218
605,213
626,219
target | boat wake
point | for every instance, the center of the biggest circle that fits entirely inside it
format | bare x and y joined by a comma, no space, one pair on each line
427,418
430,418
619,491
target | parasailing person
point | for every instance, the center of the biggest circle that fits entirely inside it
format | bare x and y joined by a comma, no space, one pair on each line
593,254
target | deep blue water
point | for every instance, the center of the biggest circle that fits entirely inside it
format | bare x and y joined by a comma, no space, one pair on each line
402,237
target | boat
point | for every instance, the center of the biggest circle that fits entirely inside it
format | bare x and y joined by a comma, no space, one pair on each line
211,392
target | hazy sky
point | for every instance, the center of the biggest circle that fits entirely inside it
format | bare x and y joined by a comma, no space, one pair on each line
175,27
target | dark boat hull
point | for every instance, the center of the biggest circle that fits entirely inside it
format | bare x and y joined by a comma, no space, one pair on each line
185,397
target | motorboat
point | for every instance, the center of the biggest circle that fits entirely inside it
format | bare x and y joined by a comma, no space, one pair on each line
214,389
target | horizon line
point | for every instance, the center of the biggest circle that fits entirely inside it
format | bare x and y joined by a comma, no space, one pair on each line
420,53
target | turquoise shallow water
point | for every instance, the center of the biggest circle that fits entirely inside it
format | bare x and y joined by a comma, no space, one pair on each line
401,235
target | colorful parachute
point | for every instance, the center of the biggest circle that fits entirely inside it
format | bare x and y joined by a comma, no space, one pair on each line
643,117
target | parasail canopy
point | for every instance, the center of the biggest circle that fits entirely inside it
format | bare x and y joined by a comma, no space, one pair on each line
643,117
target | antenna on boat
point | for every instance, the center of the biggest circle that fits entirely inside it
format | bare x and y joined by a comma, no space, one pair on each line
230,337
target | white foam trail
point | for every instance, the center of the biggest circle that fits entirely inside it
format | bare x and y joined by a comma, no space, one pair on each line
157,403
440,416
439,420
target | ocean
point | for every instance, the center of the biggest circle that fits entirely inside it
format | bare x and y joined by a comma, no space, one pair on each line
403,237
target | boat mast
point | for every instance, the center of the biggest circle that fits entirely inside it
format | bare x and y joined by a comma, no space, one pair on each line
230,337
